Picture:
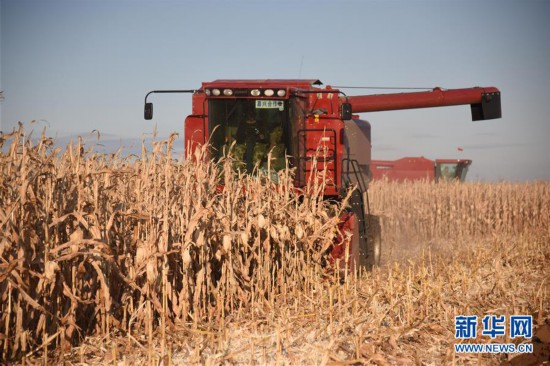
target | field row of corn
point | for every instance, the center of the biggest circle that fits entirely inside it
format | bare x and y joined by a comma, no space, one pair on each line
425,211
150,254
92,243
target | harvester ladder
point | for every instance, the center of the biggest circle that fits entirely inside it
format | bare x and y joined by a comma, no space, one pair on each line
350,168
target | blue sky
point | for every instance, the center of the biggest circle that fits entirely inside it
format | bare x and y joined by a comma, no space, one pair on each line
85,65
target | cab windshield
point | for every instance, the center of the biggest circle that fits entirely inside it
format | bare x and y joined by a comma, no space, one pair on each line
256,129
448,171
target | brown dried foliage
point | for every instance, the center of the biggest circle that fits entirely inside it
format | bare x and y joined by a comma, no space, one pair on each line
420,211
92,243
155,263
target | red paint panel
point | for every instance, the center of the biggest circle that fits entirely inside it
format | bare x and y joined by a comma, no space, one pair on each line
403,169
194,133
322,142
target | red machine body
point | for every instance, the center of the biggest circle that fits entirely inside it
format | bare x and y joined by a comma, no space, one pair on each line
313,120
436,98
419,168
313,129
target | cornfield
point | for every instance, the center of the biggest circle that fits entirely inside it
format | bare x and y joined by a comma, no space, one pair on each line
453,209
149,260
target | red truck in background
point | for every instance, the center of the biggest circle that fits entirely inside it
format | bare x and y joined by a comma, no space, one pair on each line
419,168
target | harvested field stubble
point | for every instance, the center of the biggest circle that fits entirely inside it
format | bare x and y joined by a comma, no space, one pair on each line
150,260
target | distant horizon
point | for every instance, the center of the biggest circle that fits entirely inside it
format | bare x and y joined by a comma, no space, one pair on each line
110,143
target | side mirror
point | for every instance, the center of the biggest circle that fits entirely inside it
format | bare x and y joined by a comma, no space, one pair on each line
148,112
346,111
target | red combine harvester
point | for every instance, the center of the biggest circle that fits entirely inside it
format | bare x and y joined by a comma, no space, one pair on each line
419,168
303,123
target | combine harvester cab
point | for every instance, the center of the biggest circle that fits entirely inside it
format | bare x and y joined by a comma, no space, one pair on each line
312,129
451,169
